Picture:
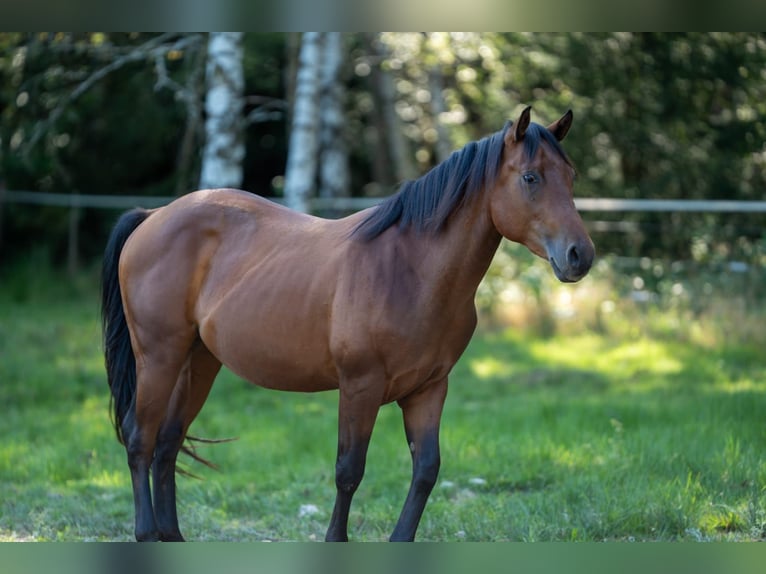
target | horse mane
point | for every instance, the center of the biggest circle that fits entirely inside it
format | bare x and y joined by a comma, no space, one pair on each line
425,204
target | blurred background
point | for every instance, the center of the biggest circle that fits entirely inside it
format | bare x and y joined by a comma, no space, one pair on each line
92,124
628,406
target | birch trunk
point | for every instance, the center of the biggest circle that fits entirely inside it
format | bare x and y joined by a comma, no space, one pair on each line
300,173
224,148
333,168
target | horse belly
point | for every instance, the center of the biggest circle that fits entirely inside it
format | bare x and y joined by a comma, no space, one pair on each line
272,340
284,373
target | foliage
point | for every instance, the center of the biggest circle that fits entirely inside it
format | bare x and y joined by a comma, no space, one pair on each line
711,300
639,431
658,115
118,137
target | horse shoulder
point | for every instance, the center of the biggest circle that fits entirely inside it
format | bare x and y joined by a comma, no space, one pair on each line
386,316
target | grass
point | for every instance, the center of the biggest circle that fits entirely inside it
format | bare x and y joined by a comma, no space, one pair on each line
617,433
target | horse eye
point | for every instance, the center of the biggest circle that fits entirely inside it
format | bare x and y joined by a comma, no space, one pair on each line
529,178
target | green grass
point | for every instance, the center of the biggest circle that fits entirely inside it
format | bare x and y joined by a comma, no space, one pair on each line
624,434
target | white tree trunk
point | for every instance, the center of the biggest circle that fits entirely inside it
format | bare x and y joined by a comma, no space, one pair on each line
333,169
224,105
300,174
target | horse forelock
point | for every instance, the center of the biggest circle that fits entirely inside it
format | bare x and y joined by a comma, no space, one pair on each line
537,134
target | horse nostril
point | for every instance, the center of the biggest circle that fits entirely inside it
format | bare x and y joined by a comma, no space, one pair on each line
573,256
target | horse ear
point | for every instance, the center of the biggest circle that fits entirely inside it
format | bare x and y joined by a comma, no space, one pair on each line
519,128
560,128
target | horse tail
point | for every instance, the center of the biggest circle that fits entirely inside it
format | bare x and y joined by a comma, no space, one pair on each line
118,351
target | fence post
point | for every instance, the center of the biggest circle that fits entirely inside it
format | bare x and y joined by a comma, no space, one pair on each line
73,236
2,205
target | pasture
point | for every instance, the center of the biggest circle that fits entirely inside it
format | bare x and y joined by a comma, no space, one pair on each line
621,427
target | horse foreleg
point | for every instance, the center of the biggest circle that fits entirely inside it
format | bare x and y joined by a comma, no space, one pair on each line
359,402
422,413
189,394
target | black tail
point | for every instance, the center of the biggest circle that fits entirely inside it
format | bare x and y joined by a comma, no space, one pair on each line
118,352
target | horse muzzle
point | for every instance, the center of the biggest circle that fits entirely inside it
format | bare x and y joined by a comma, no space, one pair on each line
573,261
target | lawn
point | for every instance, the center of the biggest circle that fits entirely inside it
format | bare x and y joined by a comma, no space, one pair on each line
584,434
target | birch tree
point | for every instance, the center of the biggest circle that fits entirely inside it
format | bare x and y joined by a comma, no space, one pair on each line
300,174
224,148
333,170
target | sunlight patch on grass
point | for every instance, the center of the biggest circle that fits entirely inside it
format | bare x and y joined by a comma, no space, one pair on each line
488,367
622,359
572,458
644,355
13,536
95,405
723,518
10,454
81,364
311,408
110,479
742,386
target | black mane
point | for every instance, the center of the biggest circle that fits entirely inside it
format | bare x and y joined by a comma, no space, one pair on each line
425,204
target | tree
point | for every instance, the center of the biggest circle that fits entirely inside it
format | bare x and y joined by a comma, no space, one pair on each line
657,116
667,116
333,167
390,125
301,168
86,113
317,139
224,148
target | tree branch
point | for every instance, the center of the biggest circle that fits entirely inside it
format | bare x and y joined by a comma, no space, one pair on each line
151,48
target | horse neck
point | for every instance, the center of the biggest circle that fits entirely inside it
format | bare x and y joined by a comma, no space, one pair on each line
459,255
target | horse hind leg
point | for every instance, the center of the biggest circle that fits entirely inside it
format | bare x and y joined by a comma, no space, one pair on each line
189,394
155,380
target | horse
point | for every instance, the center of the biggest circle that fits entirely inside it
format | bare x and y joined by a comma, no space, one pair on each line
378,305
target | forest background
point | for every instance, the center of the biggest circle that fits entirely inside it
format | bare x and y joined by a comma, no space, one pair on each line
671,116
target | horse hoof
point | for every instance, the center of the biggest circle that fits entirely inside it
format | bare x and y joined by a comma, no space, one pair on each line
172,537
152,536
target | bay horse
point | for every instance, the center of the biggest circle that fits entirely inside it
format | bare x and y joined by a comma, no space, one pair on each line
379,305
